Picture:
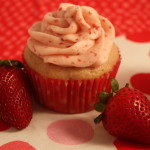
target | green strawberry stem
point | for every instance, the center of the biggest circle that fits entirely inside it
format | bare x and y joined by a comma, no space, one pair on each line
103,99
127,85
98,118
14,63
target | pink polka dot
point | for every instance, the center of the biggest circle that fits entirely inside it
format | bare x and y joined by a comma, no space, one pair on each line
17,145
70,132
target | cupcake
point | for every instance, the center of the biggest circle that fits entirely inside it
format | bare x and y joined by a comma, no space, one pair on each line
70,57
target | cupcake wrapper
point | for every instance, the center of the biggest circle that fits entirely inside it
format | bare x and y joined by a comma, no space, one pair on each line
70,96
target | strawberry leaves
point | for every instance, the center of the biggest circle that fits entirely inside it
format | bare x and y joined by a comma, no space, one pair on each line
100,107
103,99
104,96
114,85
14,63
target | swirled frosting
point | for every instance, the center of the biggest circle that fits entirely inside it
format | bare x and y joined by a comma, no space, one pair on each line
72,36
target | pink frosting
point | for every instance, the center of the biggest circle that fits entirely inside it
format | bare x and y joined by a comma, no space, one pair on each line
72,36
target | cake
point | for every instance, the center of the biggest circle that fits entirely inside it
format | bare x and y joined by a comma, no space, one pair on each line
70,57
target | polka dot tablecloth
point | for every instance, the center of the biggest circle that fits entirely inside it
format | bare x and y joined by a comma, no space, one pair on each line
50,130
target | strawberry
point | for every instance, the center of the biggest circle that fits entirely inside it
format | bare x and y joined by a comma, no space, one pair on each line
125,113
15,95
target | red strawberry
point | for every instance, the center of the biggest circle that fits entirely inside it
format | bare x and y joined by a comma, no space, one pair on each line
126,114
15,95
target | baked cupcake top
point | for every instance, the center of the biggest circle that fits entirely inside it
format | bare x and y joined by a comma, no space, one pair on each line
72,36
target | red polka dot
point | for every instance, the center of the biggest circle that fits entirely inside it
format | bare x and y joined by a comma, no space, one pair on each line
70,132
141,81
17,145
126,145
143,36
3,126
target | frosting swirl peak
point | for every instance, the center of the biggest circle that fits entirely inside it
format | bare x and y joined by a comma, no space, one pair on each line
72,36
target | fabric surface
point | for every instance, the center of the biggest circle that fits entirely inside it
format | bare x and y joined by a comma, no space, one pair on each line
131,19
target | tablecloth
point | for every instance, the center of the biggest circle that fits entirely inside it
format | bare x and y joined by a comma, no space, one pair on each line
49,130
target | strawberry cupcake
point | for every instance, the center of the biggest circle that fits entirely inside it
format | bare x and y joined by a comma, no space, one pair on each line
70,57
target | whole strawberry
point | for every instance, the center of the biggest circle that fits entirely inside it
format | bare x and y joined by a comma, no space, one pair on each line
15,95
125,114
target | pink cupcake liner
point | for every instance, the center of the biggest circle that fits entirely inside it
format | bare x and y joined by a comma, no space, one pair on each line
70,96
